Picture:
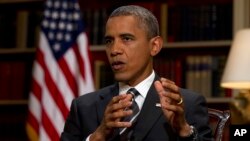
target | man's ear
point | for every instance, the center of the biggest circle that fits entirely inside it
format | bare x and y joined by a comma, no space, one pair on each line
157,43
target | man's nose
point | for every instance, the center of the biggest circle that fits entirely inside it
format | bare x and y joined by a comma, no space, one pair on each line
116,48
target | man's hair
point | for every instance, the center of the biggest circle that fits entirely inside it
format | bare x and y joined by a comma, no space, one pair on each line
145,18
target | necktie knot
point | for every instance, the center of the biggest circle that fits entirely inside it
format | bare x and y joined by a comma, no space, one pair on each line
133,92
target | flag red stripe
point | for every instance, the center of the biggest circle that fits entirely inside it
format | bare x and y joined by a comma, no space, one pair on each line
49,128
31,119
68,75
54,92
80,60
36,89
33,122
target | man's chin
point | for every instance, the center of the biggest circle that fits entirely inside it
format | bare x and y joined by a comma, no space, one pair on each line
120,77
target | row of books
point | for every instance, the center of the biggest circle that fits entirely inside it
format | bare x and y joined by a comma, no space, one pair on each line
103,74
170,68
177,22
19,28
199,22
14,82
15,75
95,24
203,75
200,73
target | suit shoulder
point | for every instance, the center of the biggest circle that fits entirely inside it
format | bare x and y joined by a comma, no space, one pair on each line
191,95
95,95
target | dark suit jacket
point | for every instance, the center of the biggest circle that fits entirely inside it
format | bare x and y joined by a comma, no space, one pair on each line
87,111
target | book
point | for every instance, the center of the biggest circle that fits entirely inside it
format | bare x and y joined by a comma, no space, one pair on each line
18,80
103,74
8,29
164,21
5,80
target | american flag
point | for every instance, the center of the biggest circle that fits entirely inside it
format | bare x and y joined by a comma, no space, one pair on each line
61,70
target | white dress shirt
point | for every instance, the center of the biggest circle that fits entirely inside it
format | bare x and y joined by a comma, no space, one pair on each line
142,88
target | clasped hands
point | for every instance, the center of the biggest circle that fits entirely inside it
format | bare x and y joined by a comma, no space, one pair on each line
171,104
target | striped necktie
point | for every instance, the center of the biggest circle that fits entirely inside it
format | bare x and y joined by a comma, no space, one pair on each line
126,132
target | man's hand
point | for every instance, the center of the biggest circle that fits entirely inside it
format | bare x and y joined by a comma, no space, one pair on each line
172,106
113,114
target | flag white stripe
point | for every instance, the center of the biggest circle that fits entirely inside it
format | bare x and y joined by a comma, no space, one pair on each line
56,73
70,58
48,103
34,103
43,135
88,86
35,107
52,111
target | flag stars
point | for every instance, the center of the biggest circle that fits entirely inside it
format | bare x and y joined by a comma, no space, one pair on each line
64,5
76,16
61,25
49,3
69,27
67,37
57,47
45,24
76,6
51,35
57,4
59,36
63,15
52,25
55,15
47,13
69,17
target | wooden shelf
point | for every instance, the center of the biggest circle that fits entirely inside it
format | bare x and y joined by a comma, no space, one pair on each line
191,44
219,100
198,44
97,48
13,102
17,50
18,1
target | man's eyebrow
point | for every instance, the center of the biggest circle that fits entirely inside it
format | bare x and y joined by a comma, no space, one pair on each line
121,35
126,35
108,37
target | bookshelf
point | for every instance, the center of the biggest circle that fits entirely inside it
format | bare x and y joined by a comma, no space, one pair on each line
192,28
19,27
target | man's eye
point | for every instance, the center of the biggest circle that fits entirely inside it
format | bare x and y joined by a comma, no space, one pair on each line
127,38
108,41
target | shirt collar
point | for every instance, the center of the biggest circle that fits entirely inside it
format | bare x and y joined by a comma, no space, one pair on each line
142,87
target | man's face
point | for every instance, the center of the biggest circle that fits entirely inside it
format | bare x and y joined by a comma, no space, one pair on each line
128,49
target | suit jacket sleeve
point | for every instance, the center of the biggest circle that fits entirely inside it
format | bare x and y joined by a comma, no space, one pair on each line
82,119
197,114
72,129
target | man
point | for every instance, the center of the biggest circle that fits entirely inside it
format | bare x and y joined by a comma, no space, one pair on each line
166,112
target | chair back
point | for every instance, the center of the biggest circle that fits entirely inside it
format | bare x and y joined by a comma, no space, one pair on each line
218,120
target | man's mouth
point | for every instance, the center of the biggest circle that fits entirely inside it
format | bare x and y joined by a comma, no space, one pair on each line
117,65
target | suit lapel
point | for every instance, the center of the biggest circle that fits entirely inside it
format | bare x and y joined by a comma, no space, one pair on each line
104,98
149,114
147,117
